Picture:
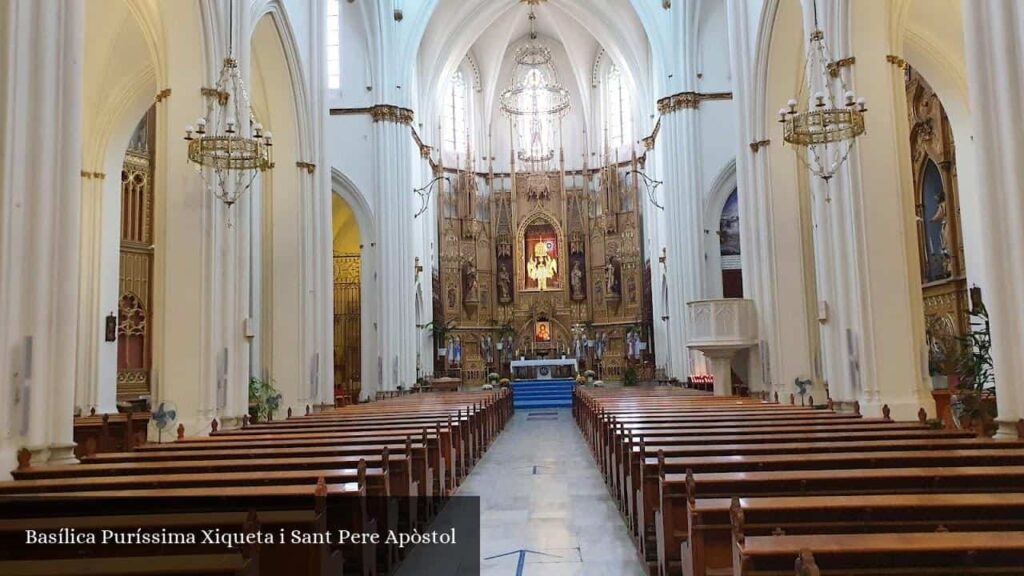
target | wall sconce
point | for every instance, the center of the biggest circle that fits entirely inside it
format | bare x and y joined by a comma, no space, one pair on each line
666,4
663,259
418,268
398,14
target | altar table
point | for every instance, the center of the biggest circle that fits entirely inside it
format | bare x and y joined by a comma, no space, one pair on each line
544,369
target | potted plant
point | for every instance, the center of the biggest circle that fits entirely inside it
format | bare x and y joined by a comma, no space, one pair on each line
581,379
503,382
974,402
590,375
440,331
264,399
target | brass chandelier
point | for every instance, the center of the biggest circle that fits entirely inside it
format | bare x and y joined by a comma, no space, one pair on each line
226,154
827,129
534,95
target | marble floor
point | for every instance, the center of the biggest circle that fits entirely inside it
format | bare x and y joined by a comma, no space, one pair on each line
541,491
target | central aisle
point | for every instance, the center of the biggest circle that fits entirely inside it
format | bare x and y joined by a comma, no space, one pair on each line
541,491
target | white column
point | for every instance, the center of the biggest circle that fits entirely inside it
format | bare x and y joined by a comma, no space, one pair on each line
684,208
188,247
995,53
397,324
867,211
654,229
40,187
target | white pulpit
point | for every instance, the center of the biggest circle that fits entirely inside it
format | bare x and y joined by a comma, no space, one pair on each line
720,328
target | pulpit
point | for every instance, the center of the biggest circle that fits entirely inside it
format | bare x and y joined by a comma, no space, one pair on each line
720,328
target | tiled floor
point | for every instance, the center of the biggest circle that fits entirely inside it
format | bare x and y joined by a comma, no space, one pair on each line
541,491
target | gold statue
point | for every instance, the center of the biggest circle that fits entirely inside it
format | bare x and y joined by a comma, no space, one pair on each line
541,267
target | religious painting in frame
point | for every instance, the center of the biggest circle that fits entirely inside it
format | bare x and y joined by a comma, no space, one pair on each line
540,250
542,331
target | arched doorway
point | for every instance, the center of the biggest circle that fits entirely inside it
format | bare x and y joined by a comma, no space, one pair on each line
347,282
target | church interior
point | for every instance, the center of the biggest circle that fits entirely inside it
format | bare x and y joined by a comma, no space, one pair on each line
660,287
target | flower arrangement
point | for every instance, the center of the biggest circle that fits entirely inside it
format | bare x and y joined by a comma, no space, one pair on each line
581,379
503,382
493,377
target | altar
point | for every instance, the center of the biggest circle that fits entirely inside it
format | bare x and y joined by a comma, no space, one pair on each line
544,369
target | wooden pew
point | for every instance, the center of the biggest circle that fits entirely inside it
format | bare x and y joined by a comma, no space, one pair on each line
906,554
109,432
333,507
709,548
674,460
295,559
678,490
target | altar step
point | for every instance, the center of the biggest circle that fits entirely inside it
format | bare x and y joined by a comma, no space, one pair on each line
542,393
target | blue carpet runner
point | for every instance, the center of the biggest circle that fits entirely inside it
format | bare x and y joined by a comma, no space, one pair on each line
542,393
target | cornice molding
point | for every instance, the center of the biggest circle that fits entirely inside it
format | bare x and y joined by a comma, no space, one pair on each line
688,101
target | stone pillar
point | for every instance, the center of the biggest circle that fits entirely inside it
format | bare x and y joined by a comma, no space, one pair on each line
655,243
770,217
40,188
397,325
865,218
684,208
188,348
993,42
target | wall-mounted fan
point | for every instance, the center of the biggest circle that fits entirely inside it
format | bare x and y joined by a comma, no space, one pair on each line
164,417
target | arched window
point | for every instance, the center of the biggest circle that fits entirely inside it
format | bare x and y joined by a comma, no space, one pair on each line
536,131
618,108
455,114
334,44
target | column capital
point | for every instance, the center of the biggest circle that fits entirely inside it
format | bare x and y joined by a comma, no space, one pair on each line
391,113
688,100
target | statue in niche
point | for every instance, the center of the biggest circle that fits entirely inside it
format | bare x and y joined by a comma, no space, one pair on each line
541,267
576,281
471,283
487,349
631,284
504,285
611,281
451,296
942,220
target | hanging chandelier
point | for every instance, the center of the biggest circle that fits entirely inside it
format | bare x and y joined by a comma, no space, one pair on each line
534,95
227,153
827,129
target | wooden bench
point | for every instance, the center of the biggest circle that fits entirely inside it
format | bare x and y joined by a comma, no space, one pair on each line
109,432
708,551
677,490
905,554
334,507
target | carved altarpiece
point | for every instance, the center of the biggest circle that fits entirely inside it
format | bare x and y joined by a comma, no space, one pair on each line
937,203
557,247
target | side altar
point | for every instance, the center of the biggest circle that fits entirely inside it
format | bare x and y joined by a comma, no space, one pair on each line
538,264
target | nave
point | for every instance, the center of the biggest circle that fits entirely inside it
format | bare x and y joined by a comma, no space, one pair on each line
692,484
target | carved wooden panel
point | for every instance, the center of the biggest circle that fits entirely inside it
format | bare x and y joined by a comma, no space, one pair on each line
135,274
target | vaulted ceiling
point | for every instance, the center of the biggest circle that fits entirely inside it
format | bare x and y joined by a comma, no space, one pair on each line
488,30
